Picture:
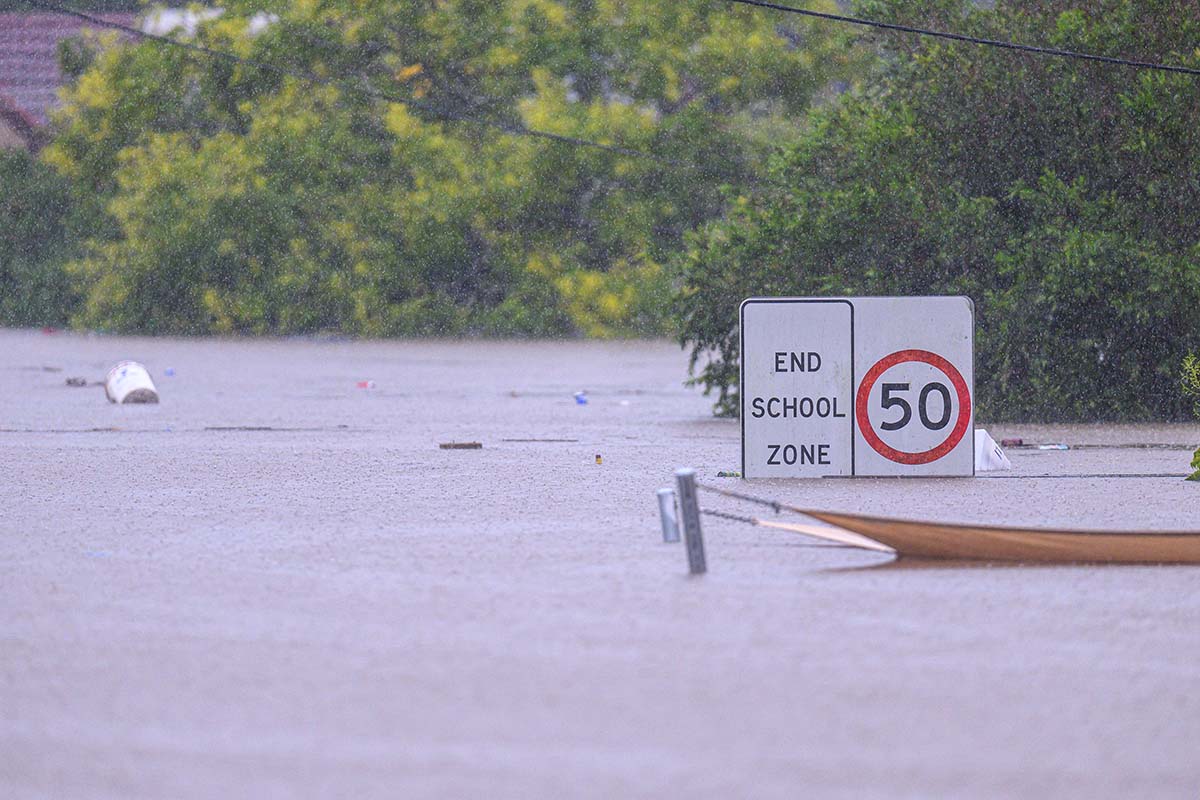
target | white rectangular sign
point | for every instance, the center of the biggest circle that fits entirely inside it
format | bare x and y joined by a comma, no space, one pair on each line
857,386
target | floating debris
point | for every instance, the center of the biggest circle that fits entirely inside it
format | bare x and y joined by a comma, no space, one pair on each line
599,459
77,381
272,428
129,382
729,474
461,445
989,456
581,398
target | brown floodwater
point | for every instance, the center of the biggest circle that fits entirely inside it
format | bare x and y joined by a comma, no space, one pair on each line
274,583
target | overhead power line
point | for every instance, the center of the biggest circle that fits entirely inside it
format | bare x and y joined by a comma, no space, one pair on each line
958,37
340,83
514,129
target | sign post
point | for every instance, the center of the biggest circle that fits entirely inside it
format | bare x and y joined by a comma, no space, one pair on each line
689,520
857,386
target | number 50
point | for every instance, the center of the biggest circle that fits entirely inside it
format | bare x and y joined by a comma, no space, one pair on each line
890,401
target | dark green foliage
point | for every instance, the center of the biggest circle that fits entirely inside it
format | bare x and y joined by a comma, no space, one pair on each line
1060,195
38,223
389,200
1191,387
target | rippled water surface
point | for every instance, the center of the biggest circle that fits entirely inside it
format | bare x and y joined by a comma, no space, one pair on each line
275,583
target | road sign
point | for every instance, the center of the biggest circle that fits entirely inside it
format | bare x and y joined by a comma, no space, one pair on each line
857,386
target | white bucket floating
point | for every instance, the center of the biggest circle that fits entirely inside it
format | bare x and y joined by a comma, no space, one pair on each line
988,455
129,382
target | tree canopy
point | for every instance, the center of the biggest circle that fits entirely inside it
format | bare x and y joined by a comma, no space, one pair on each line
363,168
1059,194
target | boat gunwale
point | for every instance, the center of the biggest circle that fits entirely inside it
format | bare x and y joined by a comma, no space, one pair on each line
816,514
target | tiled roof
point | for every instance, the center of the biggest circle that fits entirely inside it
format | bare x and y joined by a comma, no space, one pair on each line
29,74
18,123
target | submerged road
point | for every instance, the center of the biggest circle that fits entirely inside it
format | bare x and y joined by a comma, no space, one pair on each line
275,584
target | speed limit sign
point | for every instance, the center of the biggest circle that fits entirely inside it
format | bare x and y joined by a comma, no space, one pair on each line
857,386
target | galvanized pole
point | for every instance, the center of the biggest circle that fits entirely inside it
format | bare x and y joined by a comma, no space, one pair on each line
666,514
689,519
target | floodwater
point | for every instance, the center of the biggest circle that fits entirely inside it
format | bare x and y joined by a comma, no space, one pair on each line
275,584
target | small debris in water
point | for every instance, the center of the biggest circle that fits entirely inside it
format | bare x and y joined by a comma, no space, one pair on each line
728,474
259,428
51,369
169,372
581,398
989,457
365,384
77,381
1012,442
461,445
562,441
1053,447
129,382
239,428
599,460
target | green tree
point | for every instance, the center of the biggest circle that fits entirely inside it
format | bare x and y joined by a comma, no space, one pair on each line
1191,387
386,193
1058,194
39,222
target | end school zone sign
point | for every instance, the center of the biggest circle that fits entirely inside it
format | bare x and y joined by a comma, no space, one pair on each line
872,386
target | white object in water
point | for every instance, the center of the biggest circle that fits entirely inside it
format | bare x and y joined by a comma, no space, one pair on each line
666,514
988,455
129,382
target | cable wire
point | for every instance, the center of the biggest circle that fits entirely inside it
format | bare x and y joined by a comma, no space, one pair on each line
726,515
774,505
509,128
958,37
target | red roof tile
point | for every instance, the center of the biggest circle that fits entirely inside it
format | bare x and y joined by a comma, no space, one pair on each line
20,123
29,74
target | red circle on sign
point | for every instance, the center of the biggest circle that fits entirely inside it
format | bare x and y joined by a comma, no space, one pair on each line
868,383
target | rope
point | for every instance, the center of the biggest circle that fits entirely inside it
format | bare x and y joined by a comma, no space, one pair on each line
834,537
774,505
727,515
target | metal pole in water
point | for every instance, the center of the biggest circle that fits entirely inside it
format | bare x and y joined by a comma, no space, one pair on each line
666,514
689,519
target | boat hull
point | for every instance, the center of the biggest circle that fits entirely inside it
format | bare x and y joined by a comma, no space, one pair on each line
985,543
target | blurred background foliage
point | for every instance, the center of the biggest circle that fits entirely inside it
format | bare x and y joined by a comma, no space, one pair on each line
386,195
1060,195
40,231
1191,388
